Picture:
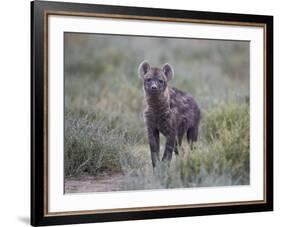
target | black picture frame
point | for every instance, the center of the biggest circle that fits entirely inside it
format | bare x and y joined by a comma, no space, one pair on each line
39,110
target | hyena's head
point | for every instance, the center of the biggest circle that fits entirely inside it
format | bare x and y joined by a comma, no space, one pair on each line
155,79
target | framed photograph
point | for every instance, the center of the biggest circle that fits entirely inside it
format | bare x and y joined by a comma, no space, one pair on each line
140,113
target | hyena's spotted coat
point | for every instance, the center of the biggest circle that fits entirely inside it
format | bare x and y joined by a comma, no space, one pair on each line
168,111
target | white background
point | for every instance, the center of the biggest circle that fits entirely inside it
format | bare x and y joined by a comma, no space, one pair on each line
15,111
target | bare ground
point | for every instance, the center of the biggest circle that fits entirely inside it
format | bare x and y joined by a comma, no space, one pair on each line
87,183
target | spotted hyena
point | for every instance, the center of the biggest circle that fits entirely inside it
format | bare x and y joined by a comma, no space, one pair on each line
168,110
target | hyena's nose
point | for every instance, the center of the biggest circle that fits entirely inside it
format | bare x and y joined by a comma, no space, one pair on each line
153,86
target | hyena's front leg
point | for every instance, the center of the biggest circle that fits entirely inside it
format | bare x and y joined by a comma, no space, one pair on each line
178,144
153,137
170,146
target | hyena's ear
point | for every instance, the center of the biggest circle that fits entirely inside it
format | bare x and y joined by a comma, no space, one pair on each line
144,67
168,71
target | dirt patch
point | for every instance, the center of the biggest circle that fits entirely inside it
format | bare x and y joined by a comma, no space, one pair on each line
87,183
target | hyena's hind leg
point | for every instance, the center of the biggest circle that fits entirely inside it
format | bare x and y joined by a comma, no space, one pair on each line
192,135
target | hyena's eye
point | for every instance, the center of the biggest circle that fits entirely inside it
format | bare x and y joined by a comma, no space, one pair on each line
161,81
148,80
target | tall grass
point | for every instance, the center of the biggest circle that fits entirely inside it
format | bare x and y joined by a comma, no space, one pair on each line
104,128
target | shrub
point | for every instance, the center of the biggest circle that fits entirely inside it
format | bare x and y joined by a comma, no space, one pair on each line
96,144
221,158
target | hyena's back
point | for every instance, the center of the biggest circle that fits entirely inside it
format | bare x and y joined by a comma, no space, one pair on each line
187,114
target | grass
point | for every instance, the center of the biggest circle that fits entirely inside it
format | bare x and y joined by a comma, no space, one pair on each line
104,129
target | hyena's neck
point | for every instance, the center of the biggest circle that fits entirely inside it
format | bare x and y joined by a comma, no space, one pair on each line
158,103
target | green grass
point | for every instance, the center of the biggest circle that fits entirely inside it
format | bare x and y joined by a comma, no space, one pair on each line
104,128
